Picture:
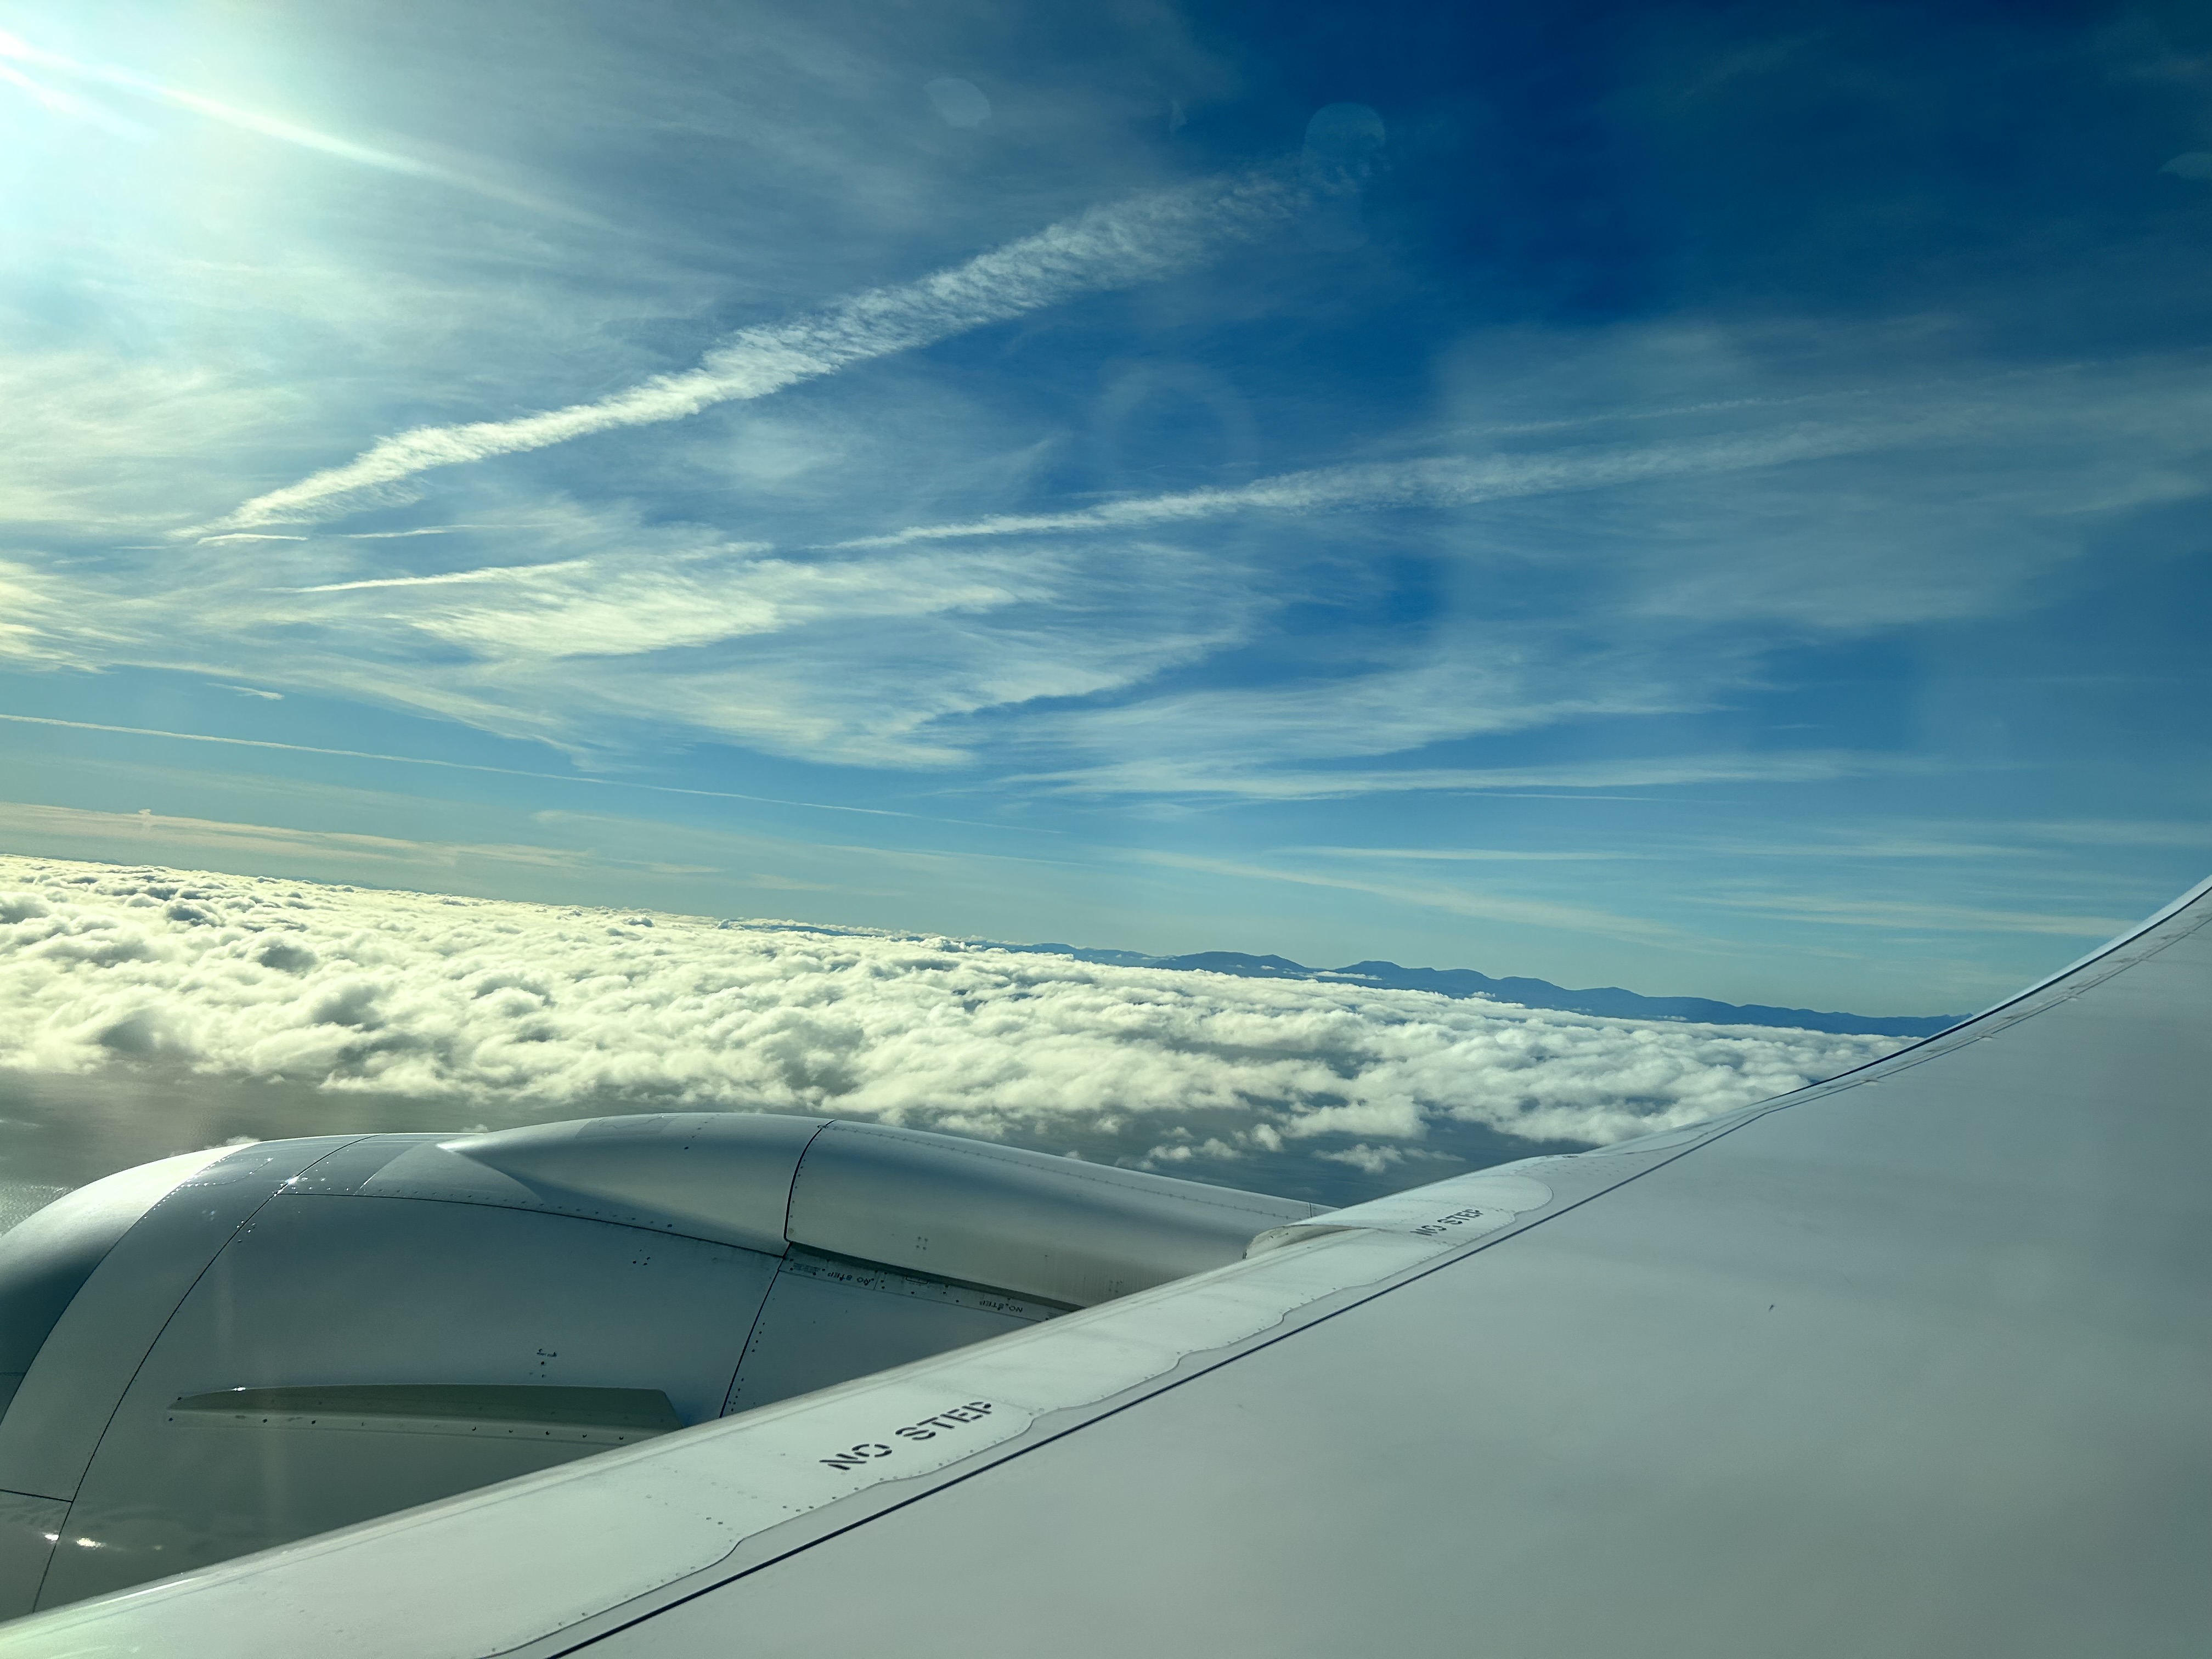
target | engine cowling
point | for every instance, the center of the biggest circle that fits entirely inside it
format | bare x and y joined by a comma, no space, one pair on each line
234,1349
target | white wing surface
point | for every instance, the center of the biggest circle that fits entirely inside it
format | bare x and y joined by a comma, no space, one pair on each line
1916,1361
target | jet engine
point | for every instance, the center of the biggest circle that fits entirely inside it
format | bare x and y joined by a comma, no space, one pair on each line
233,1349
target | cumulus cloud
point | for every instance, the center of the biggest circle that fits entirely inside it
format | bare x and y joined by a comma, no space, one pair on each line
505,1012
1110,246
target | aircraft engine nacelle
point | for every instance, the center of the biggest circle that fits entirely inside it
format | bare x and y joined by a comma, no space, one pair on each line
236,1348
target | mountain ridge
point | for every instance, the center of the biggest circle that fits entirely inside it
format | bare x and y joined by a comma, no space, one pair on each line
1606,1001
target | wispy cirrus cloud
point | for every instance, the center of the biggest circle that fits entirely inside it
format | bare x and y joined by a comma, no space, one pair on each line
1439,481
2110,832
1854,911
1203,779
1451,900
488,573
1466,854
89,818
869,658
1116,245
388,855
2107,433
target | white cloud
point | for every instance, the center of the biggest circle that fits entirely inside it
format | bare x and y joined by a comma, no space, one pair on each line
1982,482
1857,911
1110,246
1439,481
1512,684
1450,900
1171,776
505,1012
388,855
1370,1160
620,625
858,659
1467,855
13,813
2106,832
1674,569
95,444
577,608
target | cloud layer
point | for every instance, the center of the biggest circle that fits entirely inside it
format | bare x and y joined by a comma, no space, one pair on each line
506,1012
1113,246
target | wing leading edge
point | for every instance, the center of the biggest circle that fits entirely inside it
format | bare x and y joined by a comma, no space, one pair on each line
1909,1362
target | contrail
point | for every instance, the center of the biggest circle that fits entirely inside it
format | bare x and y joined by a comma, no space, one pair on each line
1112,247
1438,481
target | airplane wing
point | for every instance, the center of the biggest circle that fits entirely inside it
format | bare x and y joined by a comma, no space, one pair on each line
1915,1361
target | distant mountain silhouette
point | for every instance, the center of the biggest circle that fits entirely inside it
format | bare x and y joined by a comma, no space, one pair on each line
1609,1001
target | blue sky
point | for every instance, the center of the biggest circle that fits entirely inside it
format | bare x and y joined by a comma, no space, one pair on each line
1710,499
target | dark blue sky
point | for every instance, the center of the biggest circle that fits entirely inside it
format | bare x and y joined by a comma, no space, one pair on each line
1709,498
